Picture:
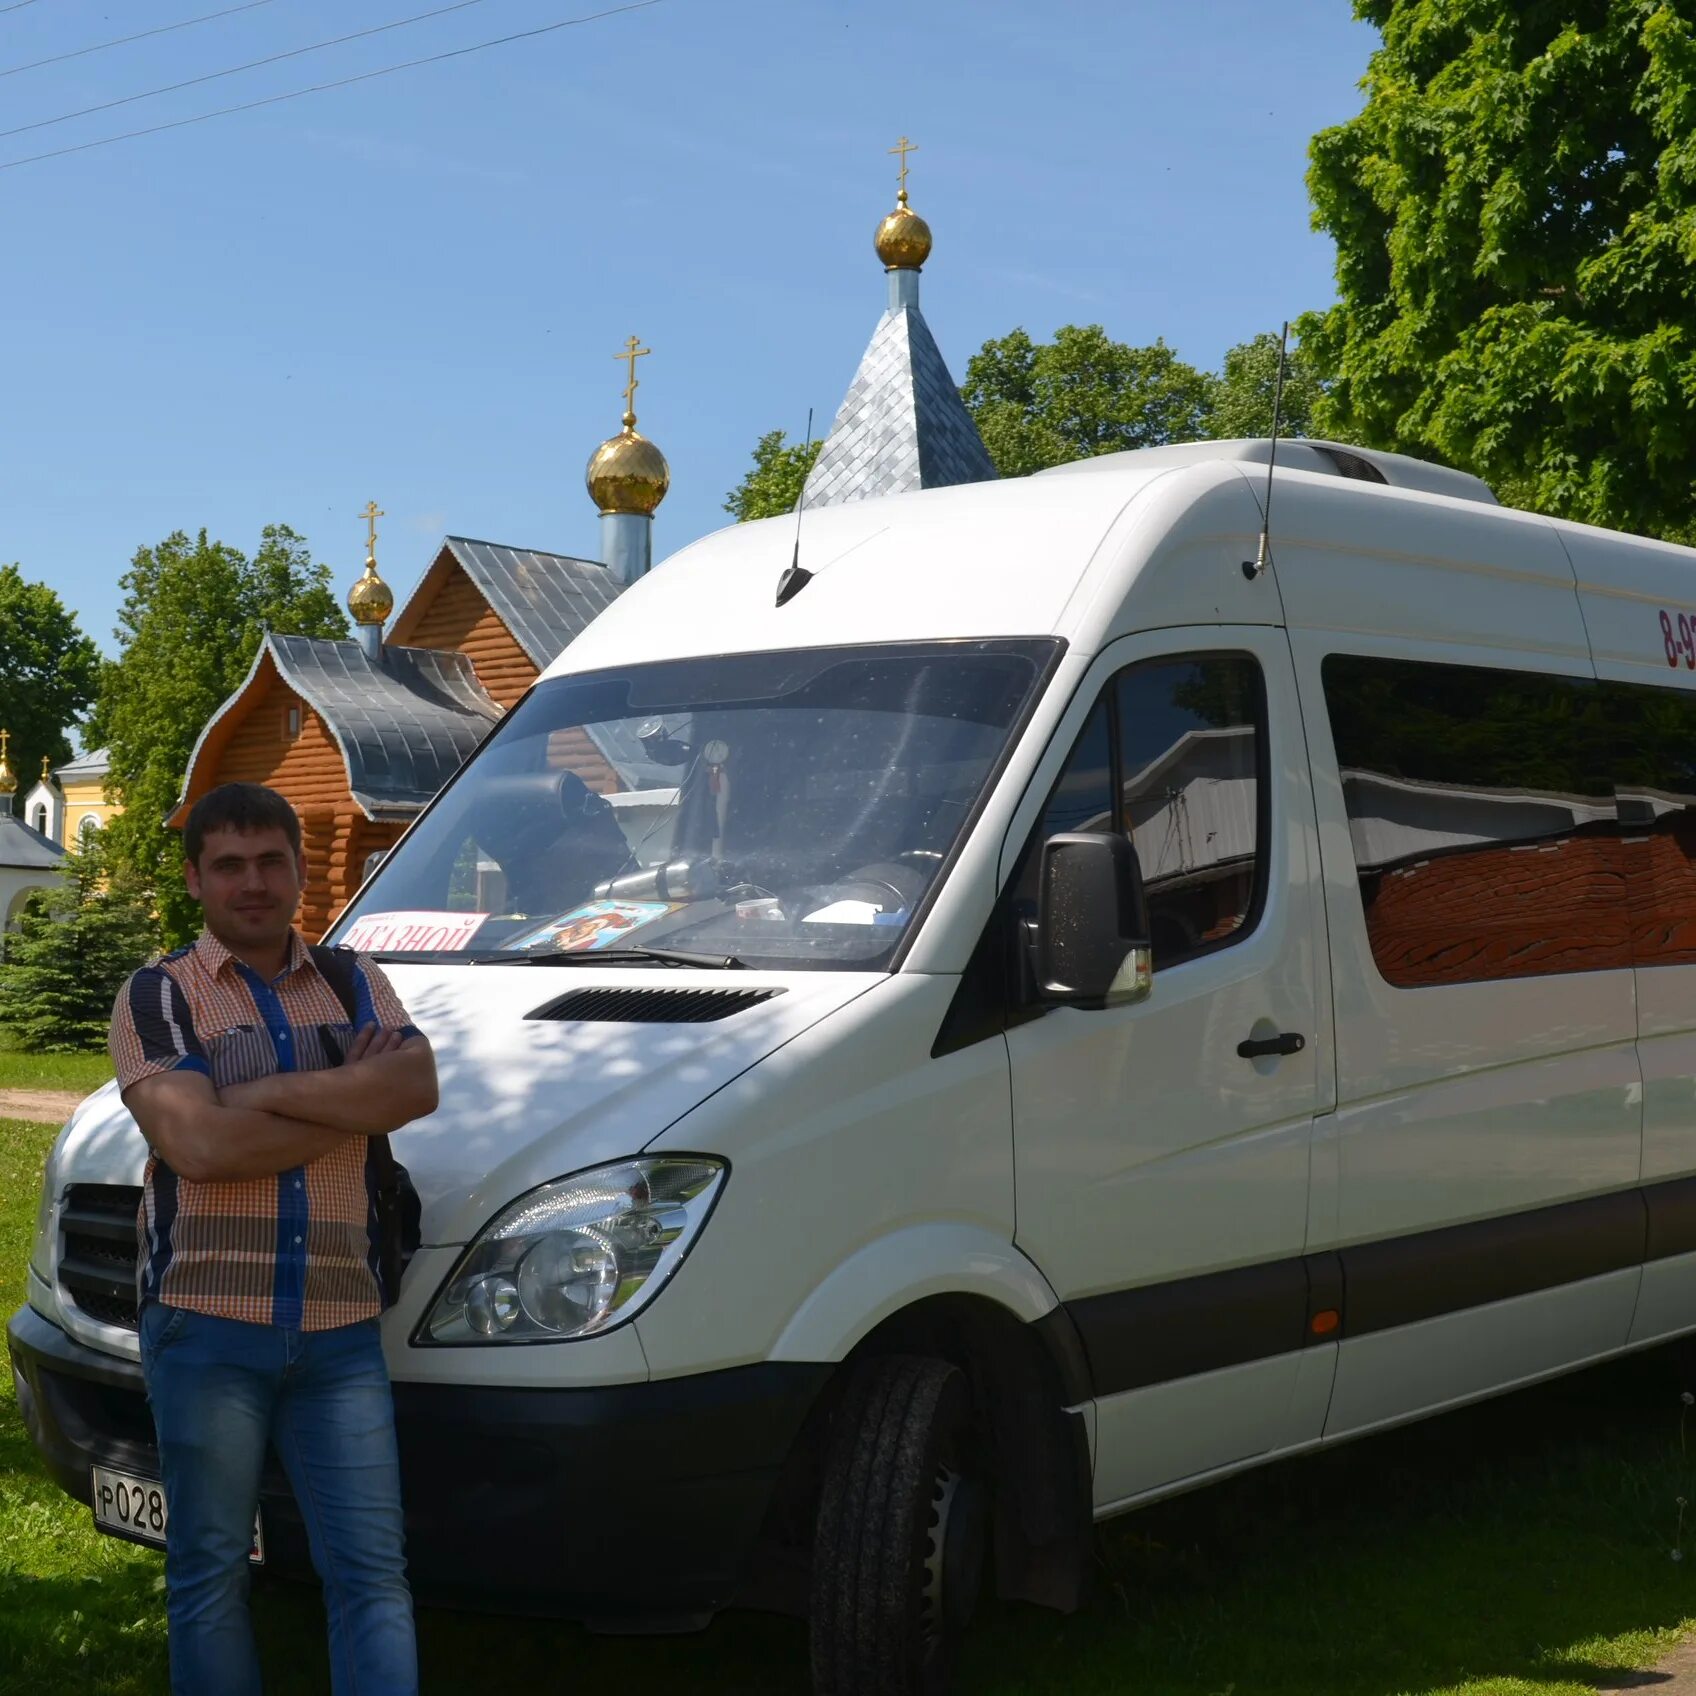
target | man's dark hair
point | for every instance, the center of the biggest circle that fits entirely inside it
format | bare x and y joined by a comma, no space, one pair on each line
238,806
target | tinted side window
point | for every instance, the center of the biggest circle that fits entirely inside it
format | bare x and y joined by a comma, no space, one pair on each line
1655,786
1481,808
1190,734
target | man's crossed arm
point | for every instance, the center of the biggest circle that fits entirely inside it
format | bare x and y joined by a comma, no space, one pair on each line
386,1080
257,1129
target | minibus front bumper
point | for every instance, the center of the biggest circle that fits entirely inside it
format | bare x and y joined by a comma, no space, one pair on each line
629,1507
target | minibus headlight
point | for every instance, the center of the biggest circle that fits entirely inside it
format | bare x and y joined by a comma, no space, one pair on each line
576,1256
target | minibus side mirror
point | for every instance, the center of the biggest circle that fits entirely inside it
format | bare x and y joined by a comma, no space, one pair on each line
1092,943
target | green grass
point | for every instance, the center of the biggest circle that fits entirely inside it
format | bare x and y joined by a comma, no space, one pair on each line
1522,1549
79,1072
78,1611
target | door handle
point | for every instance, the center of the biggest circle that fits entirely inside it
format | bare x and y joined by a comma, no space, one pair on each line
1252,1048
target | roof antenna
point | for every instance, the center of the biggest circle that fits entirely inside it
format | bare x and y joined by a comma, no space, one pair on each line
797,576
1253,568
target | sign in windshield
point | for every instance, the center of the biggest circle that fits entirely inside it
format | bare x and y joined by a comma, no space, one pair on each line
788,809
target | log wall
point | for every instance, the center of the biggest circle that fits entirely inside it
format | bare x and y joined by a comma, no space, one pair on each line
308,771
307,767
344,841
457,617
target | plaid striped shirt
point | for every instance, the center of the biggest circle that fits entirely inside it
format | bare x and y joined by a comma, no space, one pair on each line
299,1250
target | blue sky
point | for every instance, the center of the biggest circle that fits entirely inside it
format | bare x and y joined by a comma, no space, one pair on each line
414,288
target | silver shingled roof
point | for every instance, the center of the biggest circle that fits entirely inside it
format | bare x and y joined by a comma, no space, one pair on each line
543,599
902,425
404,727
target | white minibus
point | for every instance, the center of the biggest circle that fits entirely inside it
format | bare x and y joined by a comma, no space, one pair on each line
1037,1009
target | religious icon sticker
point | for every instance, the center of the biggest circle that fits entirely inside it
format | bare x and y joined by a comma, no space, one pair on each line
596,924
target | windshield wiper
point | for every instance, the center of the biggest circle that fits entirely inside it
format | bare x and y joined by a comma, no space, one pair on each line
634,956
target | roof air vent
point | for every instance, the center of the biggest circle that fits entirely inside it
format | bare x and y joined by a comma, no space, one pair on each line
1351,464
642,1006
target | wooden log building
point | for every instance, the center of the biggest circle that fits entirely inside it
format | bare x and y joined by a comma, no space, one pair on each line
360,734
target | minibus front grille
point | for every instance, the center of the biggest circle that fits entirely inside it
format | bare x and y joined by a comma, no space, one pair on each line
650,1006
97,1251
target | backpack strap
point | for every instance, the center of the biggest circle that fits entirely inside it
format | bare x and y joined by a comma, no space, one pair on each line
338,967
396,1201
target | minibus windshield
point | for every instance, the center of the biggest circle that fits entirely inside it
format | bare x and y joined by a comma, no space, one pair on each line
785,809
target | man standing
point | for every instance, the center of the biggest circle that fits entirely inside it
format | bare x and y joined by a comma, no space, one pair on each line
260,1281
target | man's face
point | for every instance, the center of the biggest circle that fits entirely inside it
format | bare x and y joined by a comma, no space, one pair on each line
248,882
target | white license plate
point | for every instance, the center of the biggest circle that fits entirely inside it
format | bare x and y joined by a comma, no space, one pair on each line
135,1507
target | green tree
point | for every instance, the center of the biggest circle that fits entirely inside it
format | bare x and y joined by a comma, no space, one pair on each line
1038,404
75,944
1243,393
772,484
1515,217
48,670
191,619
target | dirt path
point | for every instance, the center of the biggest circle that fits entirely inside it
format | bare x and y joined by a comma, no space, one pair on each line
1675,1676
39,1106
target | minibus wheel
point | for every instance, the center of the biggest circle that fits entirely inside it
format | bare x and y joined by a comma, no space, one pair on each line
903,1522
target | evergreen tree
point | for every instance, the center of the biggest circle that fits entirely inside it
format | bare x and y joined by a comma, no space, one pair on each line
75,944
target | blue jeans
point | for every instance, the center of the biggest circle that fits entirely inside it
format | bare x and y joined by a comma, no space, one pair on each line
221,1390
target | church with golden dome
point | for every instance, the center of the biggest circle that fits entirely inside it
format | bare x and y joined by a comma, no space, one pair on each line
902,424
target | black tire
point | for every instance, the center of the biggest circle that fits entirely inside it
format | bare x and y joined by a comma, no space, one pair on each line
903,1522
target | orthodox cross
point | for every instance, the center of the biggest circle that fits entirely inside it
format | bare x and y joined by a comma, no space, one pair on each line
5,747
904,147
633,351
371,514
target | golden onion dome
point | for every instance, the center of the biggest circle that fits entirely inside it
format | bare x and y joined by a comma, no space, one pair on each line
370,600
903,238
8,777
627,473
